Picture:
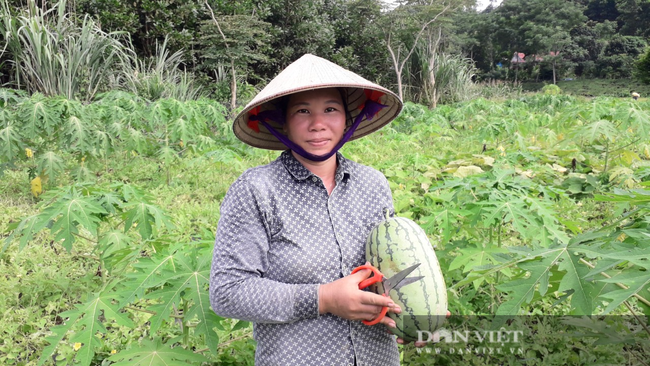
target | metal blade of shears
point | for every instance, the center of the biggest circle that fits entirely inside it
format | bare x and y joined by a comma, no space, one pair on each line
407,281
394,281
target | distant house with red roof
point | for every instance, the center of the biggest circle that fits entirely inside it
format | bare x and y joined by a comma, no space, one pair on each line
538,58
521,58
518,58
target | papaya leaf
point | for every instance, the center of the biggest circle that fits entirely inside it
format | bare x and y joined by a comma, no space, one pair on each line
604,330
549,218
135,140
601,266
10,96
635,255
111,202
582,296
504,263
132,193
443,223
67,107
144,215
37,116
471,257
640,121
631,196
204,142
570,281
85,320
113,241
76,134
597,130
147,274
513,211
200,301
637,283
521,290
597,111
167,155
71,210
182,130
102,142
189,280
155,353
27,228
50,164
10,142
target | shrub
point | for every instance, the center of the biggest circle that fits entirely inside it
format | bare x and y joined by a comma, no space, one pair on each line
642,67
50,54
551,89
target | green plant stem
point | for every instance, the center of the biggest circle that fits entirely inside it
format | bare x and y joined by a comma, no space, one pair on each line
629,307
83,237
499,235
635,356
643,300
630,144
186,329
606,156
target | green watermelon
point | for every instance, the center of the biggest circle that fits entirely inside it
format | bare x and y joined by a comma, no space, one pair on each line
398,243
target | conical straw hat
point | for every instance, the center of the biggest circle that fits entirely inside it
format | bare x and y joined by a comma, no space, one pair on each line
307,73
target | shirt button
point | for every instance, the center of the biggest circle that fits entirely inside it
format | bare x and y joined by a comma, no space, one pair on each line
314,179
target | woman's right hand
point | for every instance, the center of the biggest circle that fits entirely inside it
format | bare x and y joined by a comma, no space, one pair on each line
344,299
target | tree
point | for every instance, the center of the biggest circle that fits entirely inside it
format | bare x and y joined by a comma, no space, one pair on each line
642,70
236,40
542,26
619,55
407,25
601,10
297,27
359,41
634,17
149,22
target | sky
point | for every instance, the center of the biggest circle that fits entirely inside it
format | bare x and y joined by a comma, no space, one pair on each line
482,4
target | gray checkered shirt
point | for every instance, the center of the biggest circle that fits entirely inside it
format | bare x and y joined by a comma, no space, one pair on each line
279,236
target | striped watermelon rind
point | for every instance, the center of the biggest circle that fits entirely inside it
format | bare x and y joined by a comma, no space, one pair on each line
397,243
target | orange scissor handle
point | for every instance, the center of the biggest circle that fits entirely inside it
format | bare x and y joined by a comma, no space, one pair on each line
376,277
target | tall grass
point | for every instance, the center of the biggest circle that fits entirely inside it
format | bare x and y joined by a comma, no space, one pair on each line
158,77
436,77
54,56
500,89
449,79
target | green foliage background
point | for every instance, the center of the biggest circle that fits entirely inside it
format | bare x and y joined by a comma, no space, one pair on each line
114,162
84,47
533,200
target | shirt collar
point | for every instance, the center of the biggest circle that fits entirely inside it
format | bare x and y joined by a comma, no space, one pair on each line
299,172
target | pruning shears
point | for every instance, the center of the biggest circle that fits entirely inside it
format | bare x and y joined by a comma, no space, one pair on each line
398,280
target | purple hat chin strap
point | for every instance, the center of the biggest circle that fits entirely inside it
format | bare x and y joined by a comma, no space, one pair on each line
370,109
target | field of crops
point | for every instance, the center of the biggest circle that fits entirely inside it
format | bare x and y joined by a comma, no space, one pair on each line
536,206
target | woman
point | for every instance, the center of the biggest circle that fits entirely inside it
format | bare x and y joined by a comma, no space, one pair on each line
292,231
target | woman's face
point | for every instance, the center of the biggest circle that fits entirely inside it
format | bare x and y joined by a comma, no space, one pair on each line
315,120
